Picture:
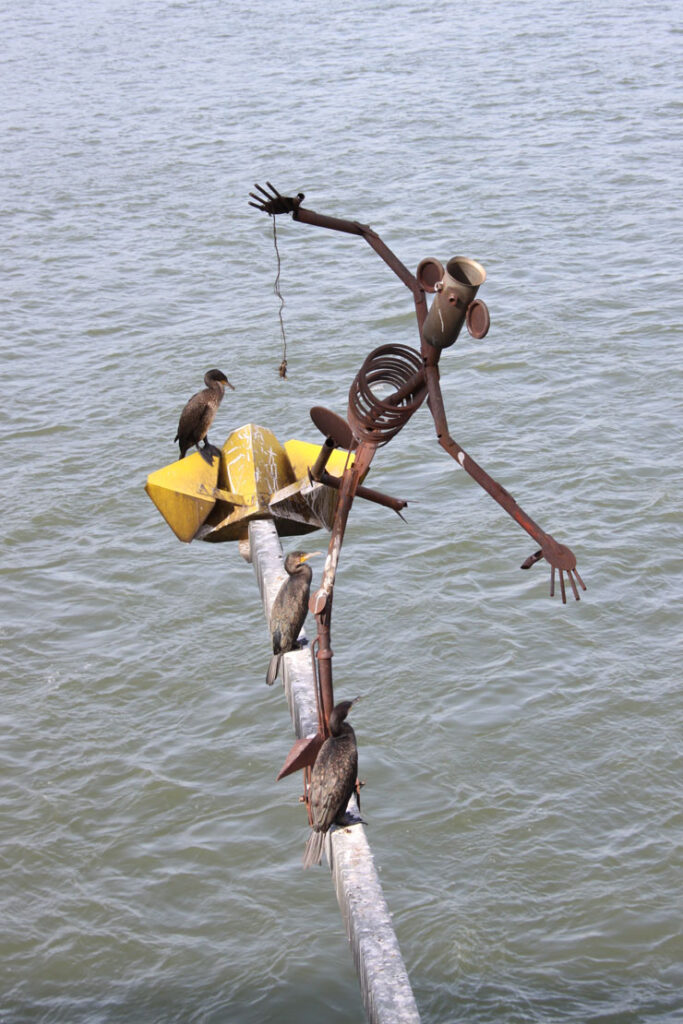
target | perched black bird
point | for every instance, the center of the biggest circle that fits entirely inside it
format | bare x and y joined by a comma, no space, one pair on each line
198,414
289,609
333,780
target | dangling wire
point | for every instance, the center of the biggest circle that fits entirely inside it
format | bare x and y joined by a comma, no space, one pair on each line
276,288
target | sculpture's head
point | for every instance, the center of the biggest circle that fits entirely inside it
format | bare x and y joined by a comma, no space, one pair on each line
454,303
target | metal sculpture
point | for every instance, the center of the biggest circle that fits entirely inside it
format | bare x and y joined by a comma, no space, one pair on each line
372,422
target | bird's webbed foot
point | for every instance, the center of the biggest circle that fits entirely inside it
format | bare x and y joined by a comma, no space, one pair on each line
347,819
272,202
561,560
209,451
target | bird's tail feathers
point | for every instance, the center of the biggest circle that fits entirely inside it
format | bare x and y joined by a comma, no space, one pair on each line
313,854
273,669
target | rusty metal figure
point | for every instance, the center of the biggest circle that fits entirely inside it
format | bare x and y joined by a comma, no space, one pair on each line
372,422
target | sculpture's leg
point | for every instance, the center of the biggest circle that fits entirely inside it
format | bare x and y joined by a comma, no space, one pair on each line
321,602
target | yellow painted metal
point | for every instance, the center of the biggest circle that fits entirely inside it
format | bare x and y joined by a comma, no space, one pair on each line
302,456
253,463
184,493
256,477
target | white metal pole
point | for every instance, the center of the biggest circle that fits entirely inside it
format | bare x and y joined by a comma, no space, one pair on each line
385,987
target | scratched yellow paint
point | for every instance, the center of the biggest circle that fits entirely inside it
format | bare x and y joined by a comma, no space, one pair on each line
216,502
254,464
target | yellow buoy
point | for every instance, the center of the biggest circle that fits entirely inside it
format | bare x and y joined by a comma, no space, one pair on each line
255,477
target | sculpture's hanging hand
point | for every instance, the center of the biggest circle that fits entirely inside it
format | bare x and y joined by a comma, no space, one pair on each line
272,202
562,559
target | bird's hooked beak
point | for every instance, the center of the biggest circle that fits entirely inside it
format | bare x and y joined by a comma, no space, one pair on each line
229,385
310,554
356,699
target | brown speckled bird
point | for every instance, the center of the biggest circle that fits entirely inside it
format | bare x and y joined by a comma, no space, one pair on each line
198,414
289,609
333,780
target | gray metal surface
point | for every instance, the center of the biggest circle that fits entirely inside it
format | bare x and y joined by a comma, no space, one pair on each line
385,988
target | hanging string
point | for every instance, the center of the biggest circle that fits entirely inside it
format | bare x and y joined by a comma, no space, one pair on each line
276,288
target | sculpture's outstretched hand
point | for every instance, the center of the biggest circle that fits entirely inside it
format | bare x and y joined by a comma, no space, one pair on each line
562,559
272,202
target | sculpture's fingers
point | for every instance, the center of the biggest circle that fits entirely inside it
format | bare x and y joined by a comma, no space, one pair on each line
552,581
273,190
571,580
581,583
531,560
263,191
564,592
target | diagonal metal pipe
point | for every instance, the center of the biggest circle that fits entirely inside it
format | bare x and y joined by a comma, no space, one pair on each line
384,983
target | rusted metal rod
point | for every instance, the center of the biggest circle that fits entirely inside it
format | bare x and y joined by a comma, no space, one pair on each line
491,486
378,497
321,602
323,458
352,227
560,557
349,485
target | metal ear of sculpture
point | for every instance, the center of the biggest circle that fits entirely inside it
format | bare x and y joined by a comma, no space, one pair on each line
454,302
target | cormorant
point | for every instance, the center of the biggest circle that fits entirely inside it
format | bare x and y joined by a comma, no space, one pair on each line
333,780
198,414
289,609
